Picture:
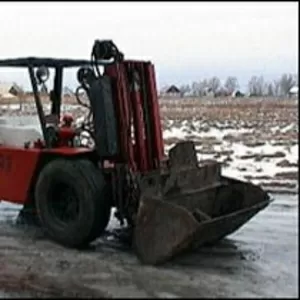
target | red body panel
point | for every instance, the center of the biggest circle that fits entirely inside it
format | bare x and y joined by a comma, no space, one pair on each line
18,166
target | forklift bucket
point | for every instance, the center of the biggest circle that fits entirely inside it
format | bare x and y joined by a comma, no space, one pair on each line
187,205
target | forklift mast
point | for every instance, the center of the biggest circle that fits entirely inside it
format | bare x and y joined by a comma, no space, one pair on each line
124,104
137,113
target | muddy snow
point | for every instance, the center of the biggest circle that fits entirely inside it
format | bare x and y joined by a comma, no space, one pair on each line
259,260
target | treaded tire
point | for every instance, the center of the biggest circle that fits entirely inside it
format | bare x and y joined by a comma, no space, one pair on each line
92,193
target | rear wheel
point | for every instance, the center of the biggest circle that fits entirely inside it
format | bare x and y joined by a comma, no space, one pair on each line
72,201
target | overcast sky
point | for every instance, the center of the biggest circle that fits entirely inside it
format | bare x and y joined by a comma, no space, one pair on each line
186,41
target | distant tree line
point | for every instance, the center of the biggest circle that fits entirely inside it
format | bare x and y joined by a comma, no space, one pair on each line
257,86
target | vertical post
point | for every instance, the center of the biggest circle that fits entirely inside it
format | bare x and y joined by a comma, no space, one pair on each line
56,101
38,104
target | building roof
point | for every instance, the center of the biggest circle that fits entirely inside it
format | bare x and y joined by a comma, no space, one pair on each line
173,89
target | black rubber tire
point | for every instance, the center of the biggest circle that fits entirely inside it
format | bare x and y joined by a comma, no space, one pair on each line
92,193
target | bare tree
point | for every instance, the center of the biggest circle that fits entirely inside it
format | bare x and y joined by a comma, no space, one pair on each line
256,86
198,88
185,88
270,90
287,81
231,84
203,85
265,89
260,85
276,85
214,84
195,89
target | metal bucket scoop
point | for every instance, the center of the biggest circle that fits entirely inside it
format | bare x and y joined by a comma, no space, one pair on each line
187,205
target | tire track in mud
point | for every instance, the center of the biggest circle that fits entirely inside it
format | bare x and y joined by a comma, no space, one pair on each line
259,260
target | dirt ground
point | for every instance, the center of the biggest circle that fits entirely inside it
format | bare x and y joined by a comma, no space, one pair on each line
259,260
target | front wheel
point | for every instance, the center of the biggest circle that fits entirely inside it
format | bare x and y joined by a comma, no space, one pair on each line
72,201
